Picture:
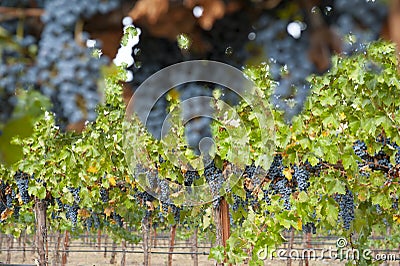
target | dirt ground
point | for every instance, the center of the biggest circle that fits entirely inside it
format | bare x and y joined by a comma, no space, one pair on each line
87,254
98,259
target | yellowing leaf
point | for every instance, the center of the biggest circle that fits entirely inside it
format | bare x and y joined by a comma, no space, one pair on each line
299,224
173,94
83,213
112,181
6,213
108,211
288,173
362,196
396,218
92,169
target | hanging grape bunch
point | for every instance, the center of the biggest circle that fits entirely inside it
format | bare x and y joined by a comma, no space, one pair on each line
64,68
67,70
288,43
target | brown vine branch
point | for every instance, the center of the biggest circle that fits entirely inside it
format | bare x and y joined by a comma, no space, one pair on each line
14,12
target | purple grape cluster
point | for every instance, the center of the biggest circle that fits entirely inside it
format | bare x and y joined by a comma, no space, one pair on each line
104,195
346,208
215,180
301,176
22,181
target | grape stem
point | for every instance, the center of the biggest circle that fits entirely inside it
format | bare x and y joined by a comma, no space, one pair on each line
78,31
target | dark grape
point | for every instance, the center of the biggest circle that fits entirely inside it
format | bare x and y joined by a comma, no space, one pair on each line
276,169
215,180
250,172
144,197
362,19
104,195
397,155
360,149
190,176
378,208
59,203
67,71
72,213
14,65
22,184
267,198
301,176
89,223
164,190
177,213
3,207
282,187
165,207
395,203
75,193
237,202
118,219
346,208
96,220
16,212
9,201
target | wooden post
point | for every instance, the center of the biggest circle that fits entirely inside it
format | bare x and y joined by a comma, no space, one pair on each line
65,251
33,243
290,247
113,253
9,247
171,244
57,249
99,239
145,232
47,248
24,247
154,237
150,240
123,259
387,247
307,246
222,223
195,248
41,230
